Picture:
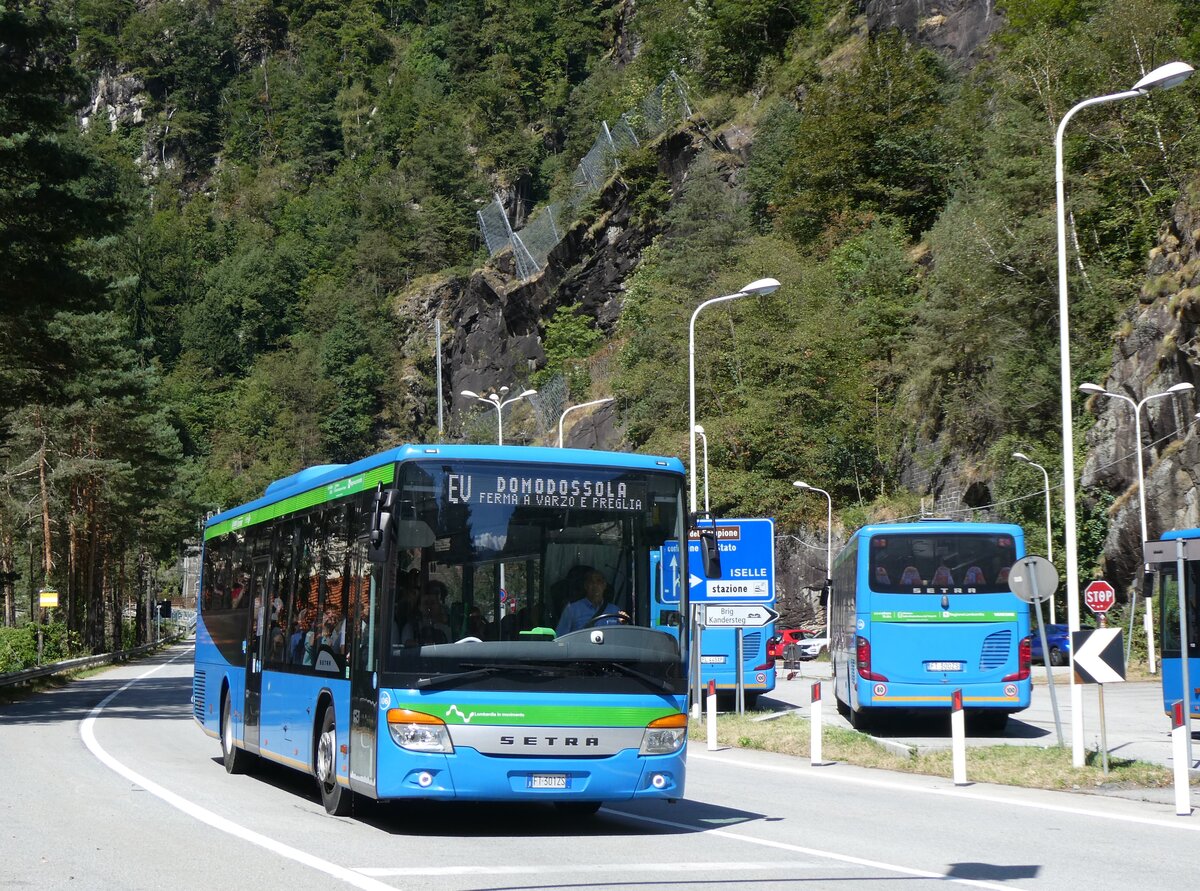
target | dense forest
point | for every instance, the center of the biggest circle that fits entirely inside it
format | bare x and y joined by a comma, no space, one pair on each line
214,217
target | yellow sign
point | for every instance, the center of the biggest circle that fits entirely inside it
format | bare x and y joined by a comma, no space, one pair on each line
49,598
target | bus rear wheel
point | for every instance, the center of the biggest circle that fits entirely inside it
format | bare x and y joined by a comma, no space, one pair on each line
337,800
236,760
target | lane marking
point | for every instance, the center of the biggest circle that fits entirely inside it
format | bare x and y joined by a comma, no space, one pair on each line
87,732
590,868
824,774
816,852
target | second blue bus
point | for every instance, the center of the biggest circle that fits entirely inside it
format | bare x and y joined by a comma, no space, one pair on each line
919,610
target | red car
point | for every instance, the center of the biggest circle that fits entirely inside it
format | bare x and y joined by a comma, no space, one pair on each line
792,635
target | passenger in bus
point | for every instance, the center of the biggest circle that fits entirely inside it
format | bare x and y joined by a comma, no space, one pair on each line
594,608
429,626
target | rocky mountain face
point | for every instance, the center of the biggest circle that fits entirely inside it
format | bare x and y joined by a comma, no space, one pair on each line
1158,347
958,29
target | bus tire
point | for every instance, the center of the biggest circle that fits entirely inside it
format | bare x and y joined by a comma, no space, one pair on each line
334,796
236,760
861,719
577,810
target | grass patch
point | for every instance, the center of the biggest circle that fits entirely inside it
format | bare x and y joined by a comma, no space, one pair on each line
1029,766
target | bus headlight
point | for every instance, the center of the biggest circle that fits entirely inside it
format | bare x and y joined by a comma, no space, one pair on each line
418,732
665,735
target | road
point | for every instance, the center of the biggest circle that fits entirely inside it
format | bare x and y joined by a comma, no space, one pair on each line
110,785
1137,729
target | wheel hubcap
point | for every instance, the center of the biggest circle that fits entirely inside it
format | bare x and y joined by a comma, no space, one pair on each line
325,757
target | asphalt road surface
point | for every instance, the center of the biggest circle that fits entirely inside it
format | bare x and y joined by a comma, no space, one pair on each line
108,783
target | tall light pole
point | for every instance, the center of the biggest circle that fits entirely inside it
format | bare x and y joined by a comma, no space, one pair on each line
494,400
1169,75
575,408
699,431
1097,390
1024,459
803,486
755,288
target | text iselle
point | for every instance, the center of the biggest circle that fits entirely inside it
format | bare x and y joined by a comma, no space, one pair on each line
543,491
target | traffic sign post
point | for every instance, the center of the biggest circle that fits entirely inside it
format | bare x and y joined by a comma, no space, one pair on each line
1099,659
1035,579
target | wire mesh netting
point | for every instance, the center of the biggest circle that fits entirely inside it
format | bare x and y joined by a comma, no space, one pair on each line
665,106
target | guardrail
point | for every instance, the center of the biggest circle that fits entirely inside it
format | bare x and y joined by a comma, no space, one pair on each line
42,671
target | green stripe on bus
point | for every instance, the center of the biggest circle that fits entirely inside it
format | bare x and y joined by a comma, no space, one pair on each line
943,616
319,495
542,715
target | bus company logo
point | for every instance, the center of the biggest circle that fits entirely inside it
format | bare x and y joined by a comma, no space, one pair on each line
1010,690
861,624
880,690
552,742
454,710
385,699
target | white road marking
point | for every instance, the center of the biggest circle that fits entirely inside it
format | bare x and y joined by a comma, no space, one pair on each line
589,868
824,855
86,730
825,774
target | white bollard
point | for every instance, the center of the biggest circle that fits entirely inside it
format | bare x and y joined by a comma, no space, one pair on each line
958,738
814,726
710,703
1179,754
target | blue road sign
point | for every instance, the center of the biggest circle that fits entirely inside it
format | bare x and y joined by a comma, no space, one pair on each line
747,565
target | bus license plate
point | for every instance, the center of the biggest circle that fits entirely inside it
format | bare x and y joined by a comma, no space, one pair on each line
548,781
712,660
944,666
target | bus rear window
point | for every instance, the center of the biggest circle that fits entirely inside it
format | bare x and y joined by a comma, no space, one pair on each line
938,564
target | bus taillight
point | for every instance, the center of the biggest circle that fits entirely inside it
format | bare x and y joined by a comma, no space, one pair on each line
862,648
1024,661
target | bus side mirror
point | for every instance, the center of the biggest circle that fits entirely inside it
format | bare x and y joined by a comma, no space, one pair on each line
710,554
825,594
1147,584
379,540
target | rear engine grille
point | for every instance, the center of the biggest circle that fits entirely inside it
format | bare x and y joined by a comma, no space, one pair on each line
996,648
198,684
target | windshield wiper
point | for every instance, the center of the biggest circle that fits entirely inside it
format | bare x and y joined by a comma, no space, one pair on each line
649,679
485,670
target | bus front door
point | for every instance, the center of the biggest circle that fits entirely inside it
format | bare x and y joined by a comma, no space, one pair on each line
364,674
260,605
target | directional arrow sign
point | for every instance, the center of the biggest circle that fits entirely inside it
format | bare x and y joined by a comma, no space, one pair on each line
1099,658
738,615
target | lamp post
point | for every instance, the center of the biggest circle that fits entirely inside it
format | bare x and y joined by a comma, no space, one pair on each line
495,401
575,408
1024,459
803,486
699,431
1166,76
755,288
1097,390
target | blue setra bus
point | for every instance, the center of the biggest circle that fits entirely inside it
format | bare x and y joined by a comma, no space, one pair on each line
1167,583
918,610
411,626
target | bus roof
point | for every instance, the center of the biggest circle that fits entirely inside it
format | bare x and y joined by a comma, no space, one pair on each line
941,527
1180,533
359,472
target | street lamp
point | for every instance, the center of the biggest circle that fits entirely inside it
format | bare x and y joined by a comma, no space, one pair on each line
494,400
574,408
1024,459
1164,77
1097,390
699,431
755,288
803,486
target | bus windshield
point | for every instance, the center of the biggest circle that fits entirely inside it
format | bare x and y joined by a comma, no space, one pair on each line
506,570
915,563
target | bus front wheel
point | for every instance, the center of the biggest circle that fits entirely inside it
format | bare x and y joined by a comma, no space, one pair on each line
236,760
335,798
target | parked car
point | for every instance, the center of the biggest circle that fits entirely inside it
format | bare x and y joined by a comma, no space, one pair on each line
807,644
1058,640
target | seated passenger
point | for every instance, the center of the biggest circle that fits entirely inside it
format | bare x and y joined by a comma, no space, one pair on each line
429,626
911,576
942,577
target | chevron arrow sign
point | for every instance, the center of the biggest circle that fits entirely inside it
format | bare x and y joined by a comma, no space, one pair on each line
1099,658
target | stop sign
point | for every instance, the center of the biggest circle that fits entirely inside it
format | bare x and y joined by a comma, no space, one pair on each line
1099,596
